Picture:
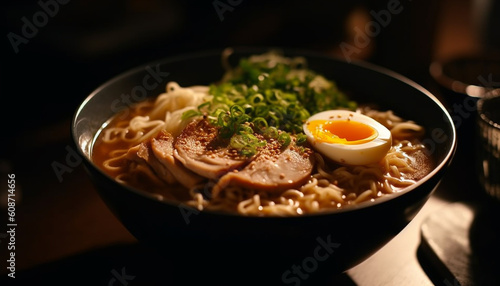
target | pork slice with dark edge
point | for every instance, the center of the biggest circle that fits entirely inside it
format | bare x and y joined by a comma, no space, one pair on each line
200,149
157,153
163,150
142,154
275,169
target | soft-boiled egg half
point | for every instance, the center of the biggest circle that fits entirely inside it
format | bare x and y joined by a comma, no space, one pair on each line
348,137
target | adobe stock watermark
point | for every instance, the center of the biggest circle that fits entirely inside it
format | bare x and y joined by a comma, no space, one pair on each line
206,190
154,77
30,28
72,161
222,7
122,277
462,111
138,93
459,112
372,29
302,271
187,211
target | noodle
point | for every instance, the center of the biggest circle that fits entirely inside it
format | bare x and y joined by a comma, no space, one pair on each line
164,114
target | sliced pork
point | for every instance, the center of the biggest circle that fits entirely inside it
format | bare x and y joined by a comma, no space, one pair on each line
273,170
142,154
200,149
163,149
157,153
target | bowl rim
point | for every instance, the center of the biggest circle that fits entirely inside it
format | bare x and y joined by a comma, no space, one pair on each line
294,51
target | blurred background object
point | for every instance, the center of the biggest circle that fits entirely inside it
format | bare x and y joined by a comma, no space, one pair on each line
463,69
488,143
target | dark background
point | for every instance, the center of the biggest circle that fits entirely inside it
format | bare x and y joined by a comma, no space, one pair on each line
85,43
77,45
80,44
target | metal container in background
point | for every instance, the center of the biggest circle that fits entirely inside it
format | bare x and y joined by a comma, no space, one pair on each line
488,147
461,82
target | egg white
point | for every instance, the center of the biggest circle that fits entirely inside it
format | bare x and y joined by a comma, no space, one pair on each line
364,153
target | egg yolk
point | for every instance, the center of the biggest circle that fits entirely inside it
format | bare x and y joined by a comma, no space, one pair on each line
347,132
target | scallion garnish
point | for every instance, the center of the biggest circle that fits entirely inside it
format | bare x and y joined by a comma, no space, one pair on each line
272,96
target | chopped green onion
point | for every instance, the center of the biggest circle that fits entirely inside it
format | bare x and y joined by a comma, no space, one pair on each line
236,111
284,139
301,139
244,129
189,114
256,99
261,110
259,123
270,96
271,132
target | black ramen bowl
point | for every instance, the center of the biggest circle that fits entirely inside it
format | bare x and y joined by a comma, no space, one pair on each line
208,246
